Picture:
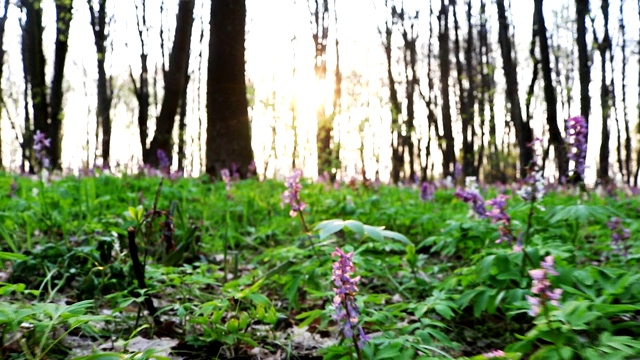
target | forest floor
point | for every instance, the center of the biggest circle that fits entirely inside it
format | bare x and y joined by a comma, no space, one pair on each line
133,267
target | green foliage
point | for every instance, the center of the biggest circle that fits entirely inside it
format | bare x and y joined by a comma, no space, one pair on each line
239,273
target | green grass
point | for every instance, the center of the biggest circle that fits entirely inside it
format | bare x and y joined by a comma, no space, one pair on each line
239,277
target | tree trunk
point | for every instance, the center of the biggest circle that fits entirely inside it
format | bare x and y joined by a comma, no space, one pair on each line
625,114
396,107
449,156
3,21
319,11
555,136
175,83
64,14
228,130
141,89
34,67
605,97
105,93
524,134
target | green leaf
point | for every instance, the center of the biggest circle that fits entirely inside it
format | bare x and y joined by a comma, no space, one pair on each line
12,256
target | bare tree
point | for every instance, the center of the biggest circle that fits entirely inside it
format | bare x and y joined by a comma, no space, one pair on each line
524,134
228,130
555,136
141,86
175,81
625,113
98,16
3,21
449,155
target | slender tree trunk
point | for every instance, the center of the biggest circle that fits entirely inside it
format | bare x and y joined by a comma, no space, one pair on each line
182,124
555,136
98,18
175,82
141,89
449,156
625,113
64,14
605,97
3,21
524,134
319,11
228,130
396,107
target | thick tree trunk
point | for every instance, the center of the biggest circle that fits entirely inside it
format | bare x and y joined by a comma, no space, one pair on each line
449,156
33,57
524,134
228,130
175,82
555,136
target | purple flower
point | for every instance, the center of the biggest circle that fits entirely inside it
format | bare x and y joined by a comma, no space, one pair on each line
40,142
541,287
163,161
474,198
426,191
345,289
226,178
291,196
457,170
494,354
577,132
619,235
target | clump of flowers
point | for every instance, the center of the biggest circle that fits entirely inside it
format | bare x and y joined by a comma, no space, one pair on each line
163,161
619,235
474,198
494,354
291,196
577,132
427,190
544,293
40,143
345,289
225,175
498,215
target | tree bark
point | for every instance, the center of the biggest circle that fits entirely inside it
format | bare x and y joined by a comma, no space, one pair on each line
605,97
3,21
175,83
98,16
555,136
64,14
524,134
449,155
228,130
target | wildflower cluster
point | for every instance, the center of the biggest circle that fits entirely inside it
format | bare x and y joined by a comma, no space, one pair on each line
345,289
533,188
291,196
474,198
426,191
163,161
494,354
619,235
577,132
40,142
498,215
541,287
